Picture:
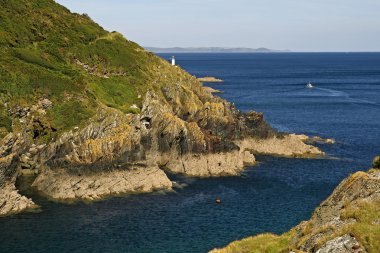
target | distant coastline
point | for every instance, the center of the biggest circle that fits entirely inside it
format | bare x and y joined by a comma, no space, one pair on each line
213,50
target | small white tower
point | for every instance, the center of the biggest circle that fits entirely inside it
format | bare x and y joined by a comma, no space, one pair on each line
173,60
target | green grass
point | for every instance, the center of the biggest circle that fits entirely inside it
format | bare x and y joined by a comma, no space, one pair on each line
264,243
41,43
367,229
34,57
5,122
62,118
114,93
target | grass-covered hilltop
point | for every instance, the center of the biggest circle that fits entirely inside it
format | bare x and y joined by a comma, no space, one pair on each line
90,114
48,52
347,222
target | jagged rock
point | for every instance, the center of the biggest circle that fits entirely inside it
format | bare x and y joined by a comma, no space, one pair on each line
33,151
19,111
24,158
248,158
11,202
6,144
342,244
45,103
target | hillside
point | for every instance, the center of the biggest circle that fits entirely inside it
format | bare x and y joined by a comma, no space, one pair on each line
347,222
92,114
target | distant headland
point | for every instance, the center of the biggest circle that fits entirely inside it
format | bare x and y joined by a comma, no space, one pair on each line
213,50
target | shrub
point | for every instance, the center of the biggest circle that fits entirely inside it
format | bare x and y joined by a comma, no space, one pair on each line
376,162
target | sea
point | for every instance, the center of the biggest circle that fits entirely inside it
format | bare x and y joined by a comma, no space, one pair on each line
273,196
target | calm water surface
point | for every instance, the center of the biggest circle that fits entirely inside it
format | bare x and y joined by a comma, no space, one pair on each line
270,197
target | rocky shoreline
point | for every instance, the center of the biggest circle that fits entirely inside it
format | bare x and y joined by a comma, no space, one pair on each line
117,153
210,79
96,183
61,185
11,202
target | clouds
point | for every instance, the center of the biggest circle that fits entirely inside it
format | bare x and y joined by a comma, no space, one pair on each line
314,25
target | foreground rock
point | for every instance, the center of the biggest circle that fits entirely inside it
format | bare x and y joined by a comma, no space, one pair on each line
347,222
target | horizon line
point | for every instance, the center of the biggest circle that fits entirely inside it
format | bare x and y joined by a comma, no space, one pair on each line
270,50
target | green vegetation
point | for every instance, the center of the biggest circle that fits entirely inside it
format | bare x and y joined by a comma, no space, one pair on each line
61,115
49,52
376,162
264,243
367,229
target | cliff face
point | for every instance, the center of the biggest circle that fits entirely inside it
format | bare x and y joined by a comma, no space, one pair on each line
347,222
92,114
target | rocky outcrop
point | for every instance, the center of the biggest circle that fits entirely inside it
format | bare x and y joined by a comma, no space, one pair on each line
11,202
61,185
210,79
346,222
342,244
287,146
183,130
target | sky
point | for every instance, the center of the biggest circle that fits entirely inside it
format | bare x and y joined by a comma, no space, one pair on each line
297,25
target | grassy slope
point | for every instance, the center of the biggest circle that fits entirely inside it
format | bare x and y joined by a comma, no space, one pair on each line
264,243
44,48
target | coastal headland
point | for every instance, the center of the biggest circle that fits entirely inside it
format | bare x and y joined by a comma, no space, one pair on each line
90,123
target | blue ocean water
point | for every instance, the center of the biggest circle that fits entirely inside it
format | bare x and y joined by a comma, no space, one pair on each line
271,197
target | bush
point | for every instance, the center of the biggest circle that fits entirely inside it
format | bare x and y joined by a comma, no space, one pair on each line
376,162
70,113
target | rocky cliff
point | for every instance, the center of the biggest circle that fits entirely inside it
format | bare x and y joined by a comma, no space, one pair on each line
347,222
92,114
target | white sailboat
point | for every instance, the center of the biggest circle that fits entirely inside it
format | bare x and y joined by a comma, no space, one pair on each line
309,85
